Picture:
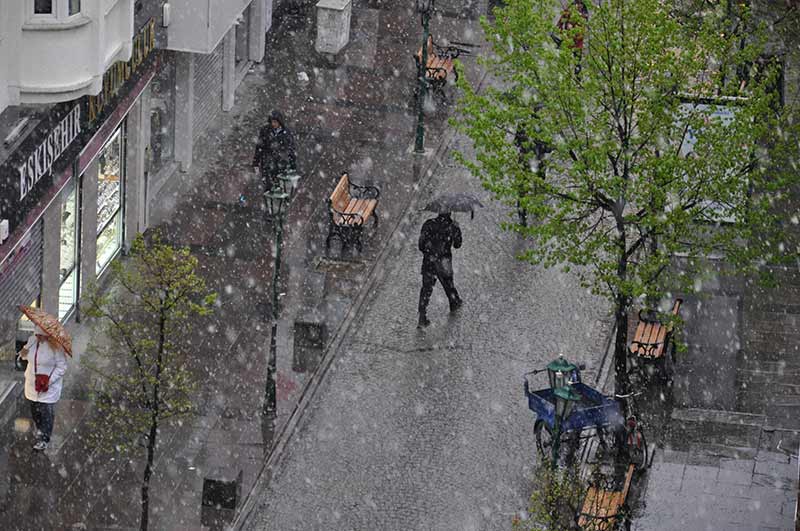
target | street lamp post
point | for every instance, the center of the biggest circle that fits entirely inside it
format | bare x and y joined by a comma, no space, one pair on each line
424,8
566,398
560,374
277,204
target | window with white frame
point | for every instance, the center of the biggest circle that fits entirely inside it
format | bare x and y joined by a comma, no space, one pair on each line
58,9
43,7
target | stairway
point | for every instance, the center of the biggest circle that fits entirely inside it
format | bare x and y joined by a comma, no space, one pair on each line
768,366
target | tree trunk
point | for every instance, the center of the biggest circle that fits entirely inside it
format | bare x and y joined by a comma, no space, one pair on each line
151,450
622,302
151,441
621,346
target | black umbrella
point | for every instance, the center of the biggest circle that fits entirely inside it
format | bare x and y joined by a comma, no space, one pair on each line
459,202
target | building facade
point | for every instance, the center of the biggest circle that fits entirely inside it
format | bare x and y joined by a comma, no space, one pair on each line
90,137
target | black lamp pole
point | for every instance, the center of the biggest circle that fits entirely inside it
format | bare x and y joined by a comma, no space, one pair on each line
559,374
424,8
565,399
277,204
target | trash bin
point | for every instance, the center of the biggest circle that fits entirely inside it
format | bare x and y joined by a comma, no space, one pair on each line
222,489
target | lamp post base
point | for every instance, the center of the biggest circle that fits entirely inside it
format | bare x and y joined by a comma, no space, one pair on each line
426,152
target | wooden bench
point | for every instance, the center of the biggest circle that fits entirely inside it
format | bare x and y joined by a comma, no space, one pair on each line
652,337
439,66
652,350
351,206
603,508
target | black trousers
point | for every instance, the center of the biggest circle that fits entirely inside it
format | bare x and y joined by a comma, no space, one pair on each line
43,416
269,176
270,170
441,270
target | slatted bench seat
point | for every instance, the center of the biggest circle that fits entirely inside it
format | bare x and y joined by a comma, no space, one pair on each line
440,64
350,207
603,508
652,337
652,349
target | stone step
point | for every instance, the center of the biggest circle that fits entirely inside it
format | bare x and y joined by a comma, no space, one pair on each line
785,337
784,414
759,399
751,379
756,329
735,418
758,297
749,362
782,305
709,426
770,350
771,319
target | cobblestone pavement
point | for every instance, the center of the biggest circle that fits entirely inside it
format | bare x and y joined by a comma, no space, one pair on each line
352,116
430,430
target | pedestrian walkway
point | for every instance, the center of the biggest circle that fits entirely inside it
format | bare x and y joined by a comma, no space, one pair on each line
430,429
352,116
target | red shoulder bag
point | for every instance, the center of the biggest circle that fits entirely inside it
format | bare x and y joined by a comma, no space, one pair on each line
42,381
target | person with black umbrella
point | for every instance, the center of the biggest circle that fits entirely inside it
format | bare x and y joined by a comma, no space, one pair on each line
438,236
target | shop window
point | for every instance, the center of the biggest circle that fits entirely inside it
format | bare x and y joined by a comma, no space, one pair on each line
111,166
42,7
69,254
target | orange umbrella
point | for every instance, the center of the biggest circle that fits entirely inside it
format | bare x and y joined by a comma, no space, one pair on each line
50,325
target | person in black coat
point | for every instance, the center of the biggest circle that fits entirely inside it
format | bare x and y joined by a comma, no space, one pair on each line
437,237
275,151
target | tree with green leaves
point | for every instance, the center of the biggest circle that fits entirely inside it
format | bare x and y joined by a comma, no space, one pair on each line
663,138
556,500
145,381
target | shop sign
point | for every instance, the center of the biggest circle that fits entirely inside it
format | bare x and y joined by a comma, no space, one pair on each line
120,72
30,170
40,162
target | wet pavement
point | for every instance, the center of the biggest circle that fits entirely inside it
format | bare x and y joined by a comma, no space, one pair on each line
407,429
430,429
354,116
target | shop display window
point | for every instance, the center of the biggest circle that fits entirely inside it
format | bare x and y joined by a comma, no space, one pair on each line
111,167
69,238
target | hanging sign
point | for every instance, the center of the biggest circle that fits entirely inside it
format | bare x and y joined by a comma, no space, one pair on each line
120,72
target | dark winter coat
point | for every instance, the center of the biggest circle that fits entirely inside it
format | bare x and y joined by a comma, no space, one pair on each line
275,151
436,239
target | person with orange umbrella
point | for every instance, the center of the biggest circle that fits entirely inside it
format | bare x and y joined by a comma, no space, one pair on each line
46,351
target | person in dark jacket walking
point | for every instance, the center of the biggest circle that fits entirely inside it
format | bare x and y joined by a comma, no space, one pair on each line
438,236
275,151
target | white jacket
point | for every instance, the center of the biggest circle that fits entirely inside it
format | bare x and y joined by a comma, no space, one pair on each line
47,361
